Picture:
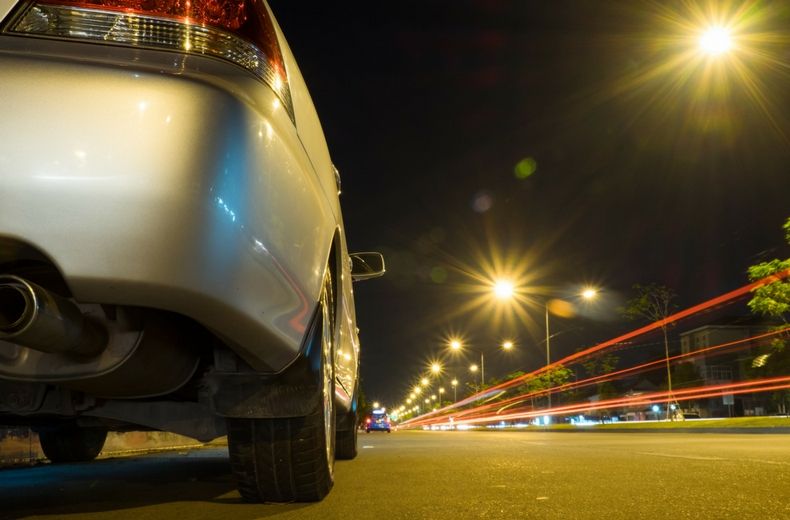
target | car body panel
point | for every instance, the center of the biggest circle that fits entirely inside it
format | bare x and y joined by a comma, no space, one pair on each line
176,182
5,7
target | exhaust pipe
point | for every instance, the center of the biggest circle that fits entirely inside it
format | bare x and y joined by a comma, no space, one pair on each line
33,317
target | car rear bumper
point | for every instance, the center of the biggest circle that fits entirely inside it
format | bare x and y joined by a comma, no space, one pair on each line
165,188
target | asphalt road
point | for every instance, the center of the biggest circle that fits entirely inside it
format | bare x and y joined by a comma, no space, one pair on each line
438,475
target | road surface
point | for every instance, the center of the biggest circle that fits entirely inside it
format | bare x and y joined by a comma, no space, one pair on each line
437,475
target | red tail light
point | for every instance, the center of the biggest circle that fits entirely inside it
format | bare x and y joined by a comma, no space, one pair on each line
367,421
239,31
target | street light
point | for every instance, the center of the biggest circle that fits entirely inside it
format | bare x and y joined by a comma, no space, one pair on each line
424,381
454,384
456,345
715,41
503,289
436,368
588,293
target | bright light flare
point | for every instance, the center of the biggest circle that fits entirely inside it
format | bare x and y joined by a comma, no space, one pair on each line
503,289
436,368
473,368
715,41
424,381
507,345
455,344
590,293
702,68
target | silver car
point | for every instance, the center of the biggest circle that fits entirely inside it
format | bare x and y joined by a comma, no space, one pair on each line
172,250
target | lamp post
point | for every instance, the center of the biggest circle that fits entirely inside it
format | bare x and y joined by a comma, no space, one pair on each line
454,384
504,290
588,294
456,345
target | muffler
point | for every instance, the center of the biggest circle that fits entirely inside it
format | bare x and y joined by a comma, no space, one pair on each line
33,317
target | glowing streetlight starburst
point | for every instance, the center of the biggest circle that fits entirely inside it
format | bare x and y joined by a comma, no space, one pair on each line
716,41
589,293
503,289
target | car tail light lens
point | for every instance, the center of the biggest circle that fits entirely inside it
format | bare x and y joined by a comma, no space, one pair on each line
239,31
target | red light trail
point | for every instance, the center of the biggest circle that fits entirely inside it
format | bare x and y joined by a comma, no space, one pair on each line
754,386
479,413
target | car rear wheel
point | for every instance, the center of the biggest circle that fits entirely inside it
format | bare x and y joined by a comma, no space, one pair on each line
346,448
71,443
291,459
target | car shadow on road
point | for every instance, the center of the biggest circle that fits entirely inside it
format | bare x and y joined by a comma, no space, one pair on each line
162,482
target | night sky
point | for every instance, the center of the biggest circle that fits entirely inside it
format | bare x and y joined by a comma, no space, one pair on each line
569,142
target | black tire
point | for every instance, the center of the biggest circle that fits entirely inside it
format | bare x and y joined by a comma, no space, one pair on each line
71,443
346,440
292,459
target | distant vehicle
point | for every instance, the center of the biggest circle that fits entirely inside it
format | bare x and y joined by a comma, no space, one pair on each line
378,421
172,248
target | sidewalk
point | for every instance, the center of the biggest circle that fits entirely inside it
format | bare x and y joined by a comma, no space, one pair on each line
19,446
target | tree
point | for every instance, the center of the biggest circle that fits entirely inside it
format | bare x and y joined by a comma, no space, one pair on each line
654,303
773,300
545,381
600,365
